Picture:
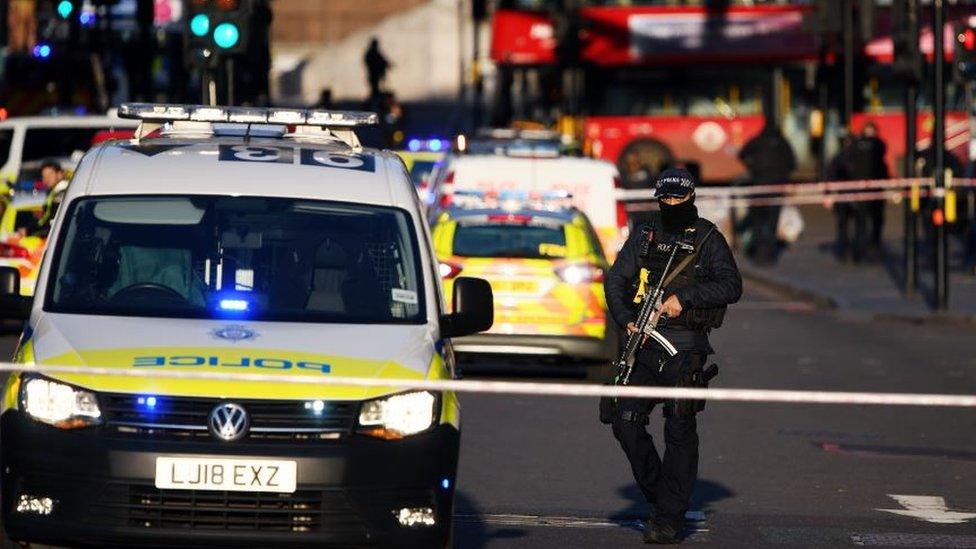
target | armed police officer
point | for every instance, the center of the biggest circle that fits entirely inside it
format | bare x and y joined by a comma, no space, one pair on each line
702,280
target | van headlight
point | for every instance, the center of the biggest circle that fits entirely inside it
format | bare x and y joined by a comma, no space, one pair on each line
398,416
59,404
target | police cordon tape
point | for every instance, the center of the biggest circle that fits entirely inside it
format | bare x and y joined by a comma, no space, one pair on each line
529,388
809,193
799,200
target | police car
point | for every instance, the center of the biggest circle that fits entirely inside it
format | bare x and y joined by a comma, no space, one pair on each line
235,240
545,265
23,236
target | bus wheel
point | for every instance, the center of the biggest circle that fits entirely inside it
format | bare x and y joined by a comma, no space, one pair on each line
640,162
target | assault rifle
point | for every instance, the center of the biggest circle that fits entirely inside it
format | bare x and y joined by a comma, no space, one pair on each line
646,323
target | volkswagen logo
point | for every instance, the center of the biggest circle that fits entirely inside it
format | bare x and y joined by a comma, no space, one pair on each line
228,421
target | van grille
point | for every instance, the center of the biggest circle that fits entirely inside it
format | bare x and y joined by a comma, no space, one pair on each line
187,417
144,506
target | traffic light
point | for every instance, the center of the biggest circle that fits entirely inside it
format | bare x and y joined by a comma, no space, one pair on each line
215,29
231,26
65,9
908,59
965,51
198,24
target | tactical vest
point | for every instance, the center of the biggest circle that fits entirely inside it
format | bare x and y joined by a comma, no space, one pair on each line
654,252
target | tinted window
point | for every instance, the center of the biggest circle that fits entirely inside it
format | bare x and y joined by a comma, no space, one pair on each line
42,143
214,257
497,240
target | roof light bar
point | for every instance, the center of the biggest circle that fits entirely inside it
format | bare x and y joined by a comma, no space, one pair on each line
150,111
247,115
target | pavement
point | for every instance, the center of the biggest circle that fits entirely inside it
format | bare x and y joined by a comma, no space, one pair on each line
809,270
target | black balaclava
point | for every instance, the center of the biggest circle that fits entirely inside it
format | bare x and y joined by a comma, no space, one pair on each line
678,217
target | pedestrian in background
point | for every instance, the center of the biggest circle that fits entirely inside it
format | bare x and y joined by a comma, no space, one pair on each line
376,67
868,162
769,158
694,303
851,238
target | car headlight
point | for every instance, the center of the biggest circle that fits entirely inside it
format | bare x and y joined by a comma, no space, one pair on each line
59,404
398,416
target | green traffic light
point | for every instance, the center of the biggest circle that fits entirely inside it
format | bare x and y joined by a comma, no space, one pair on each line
65,7
200,24
226,35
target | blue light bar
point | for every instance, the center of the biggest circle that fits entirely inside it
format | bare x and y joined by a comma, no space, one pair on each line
237,305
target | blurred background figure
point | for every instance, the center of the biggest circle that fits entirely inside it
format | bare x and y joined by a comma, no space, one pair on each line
849,215
22,25
868,162
769,159
376,67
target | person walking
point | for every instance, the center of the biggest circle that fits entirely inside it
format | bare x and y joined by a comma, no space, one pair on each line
769,158
694,303
868,162
376,67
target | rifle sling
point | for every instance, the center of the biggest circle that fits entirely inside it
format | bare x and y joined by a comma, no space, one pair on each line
686,261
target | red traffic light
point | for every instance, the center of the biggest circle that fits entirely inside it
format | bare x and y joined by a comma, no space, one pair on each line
967,39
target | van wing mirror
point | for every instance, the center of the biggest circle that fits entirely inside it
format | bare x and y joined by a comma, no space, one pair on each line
13,306
473,308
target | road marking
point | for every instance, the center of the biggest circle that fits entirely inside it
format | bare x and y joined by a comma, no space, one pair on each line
696,520
929,509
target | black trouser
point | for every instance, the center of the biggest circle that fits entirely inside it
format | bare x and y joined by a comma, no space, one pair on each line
856,244
667,484
763,221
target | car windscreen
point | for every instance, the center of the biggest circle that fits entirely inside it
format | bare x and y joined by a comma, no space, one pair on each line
255,258
523,240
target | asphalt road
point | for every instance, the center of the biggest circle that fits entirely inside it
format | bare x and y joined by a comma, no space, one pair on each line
543,472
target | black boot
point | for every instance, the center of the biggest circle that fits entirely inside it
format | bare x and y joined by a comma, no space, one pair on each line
663,533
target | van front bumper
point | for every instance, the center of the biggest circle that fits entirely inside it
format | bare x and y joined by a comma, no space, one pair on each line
102,490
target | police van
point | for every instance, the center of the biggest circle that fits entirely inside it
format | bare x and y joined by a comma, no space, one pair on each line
235,241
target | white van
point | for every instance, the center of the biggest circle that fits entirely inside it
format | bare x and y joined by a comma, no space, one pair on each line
35,138
534,169
276,245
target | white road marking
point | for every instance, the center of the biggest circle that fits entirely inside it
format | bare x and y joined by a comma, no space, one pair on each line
697,518
929,509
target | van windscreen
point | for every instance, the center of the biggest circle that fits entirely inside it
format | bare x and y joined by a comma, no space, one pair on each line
237,257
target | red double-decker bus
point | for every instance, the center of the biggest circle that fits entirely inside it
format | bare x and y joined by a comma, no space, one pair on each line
658,83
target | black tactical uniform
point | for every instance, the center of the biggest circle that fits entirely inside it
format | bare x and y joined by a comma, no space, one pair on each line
708,283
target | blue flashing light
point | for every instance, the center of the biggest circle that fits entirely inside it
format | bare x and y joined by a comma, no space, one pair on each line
200,24
413,145
237,305
42,51
149,402
226,35
86,18
435,145
446,483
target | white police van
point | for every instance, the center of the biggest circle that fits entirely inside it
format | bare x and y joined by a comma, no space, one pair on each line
235,240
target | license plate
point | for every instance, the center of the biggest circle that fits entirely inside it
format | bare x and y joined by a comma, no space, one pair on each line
515,286
236,475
